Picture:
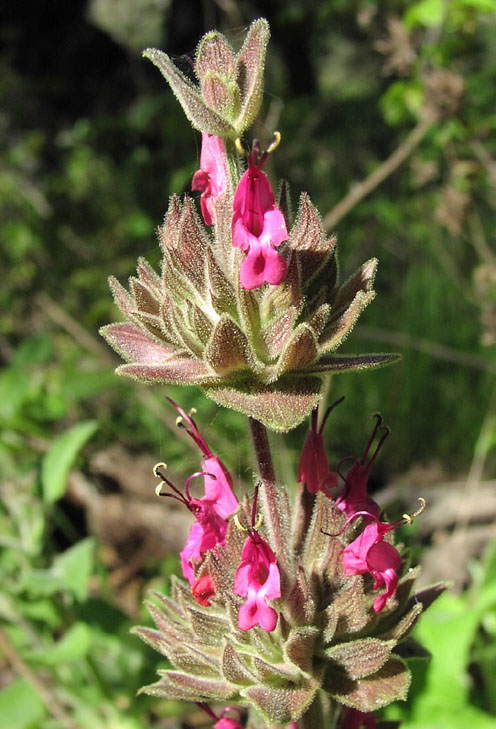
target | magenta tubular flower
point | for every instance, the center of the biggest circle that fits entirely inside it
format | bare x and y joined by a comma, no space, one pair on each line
212,510
217,480
258,579
354,719
226,723
313,469
208,531
257,226
370,553
355,497
211,178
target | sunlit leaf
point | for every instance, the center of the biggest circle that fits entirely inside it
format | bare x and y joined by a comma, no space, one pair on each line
59,459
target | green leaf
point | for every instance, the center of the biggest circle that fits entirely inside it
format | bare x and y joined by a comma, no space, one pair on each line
59,459
429,13
74,645
20,706
74,567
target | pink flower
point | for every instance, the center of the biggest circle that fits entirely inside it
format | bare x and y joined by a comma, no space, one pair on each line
258,579
218,482
355,497
354,719
313,469
212,510
211,178
206,533
257,226
370,553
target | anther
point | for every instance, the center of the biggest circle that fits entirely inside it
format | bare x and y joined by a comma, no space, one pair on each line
239,525
276,142
258,522
240,148
158,490
156,467
192,412
179,421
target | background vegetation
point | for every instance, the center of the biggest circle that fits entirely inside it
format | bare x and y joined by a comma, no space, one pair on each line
92,144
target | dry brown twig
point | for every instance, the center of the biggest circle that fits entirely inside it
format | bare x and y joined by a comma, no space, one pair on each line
364,188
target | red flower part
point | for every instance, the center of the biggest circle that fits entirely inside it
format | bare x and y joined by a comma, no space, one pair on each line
258,226
203,590
313,469
258,579
211,178
370,553
354,719
355,497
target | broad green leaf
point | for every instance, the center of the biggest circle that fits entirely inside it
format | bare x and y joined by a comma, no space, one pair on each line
429,13
59,459
20,706
74,567
73,646
15,386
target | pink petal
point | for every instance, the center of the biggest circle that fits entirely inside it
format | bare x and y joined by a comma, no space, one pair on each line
218,490
191,551
262,264
382,556
355,554
390,579
274,229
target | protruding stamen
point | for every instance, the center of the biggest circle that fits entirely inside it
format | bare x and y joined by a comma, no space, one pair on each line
254,507
258,523
328,412
163,477
275,143
378,416
387,433
408,518
413,515
191,412
239,524
180,421
195,475
156,467
239,146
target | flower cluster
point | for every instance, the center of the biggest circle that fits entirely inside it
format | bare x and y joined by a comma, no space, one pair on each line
283,607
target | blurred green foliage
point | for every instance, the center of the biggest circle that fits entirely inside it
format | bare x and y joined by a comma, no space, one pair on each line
92,145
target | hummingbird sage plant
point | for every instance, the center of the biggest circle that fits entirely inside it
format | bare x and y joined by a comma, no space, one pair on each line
295,610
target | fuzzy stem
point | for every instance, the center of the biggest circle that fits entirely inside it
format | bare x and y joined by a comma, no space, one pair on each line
262,452
269,493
